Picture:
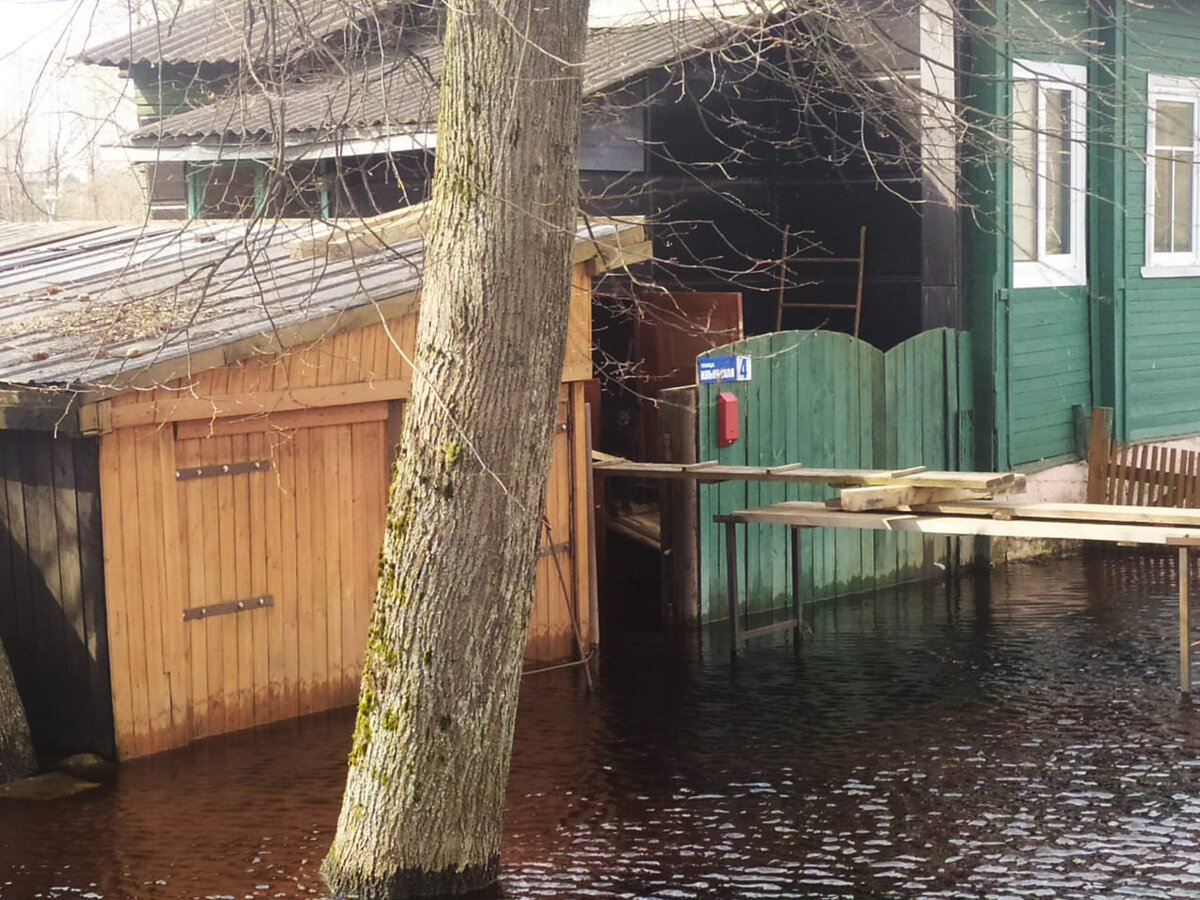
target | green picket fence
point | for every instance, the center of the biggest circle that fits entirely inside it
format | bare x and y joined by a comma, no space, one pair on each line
827,399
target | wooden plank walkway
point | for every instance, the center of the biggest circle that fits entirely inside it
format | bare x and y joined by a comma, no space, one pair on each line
711,471
1055,521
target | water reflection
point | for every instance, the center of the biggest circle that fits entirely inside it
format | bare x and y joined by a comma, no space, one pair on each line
1018,736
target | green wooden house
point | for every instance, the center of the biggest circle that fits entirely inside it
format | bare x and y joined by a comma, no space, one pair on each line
1084,257
1078,203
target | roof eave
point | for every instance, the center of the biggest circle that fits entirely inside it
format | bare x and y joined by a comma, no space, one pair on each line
297,147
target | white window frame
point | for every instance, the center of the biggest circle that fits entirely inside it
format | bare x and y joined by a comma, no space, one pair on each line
1058,269
1172,265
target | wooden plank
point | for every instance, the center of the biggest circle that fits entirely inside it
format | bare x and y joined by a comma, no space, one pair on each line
243,583
45,601
209,556
74,714
968,481
191,494
342,502
287,598
173,600
258,620
319,520
308,659
580,545
1099,443
238,404
816,515
367,361
897,496
10,635
283,421
1075,512
117,590
95,616
138,741
225,627
273,563
1191,480
365,481
846,394
1139,484
834,477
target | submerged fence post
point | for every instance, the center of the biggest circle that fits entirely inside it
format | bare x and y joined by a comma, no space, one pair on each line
797,609
732,586
1185,642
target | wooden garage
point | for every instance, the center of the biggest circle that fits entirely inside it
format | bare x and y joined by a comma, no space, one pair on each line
242,401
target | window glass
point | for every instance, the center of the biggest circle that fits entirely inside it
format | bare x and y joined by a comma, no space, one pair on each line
1174,156
1049,174
1024,170
1058,171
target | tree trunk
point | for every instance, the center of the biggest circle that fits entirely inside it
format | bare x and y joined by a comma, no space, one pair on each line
16,750
430,754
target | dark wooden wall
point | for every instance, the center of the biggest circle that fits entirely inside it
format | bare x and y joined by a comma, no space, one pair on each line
52,610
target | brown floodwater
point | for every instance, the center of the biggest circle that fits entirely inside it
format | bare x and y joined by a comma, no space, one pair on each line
1016,735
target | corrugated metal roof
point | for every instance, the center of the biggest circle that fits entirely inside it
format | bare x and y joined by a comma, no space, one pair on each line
101,306
86,311
234,31
401,94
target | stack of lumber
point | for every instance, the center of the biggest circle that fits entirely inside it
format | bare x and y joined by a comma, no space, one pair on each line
711,471
920,489
862,489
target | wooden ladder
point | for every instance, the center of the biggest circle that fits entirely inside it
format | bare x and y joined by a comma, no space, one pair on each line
859,261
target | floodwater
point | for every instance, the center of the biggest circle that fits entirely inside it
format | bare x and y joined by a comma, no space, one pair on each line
1018,735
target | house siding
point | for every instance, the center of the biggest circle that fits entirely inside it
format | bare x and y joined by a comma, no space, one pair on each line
1122,340
1162,315
1046,335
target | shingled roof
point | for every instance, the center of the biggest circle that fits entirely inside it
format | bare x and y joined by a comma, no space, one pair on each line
400,94
110,307
236,31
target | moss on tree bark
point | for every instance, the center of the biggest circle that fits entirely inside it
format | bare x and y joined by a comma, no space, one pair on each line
432,740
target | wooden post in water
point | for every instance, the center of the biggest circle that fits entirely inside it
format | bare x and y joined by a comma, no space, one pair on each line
1185,643
732,586
797,609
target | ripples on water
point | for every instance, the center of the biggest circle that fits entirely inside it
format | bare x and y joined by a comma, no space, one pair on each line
1013,737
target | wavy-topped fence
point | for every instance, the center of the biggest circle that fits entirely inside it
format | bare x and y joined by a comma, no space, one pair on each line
827,399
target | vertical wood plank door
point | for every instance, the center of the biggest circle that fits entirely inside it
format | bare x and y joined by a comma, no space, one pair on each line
305,533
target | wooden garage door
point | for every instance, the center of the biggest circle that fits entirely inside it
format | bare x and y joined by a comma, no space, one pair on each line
279,564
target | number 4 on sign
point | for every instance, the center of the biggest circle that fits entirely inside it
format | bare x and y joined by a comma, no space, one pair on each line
743,368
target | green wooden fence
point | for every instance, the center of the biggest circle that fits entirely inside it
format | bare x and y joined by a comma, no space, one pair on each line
826,399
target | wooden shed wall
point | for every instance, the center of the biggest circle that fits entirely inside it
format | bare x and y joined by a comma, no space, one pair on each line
305,530
52,612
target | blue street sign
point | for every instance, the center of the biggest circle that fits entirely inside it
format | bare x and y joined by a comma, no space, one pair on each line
722,368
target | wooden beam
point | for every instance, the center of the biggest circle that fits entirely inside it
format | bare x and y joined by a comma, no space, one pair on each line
1185,630
898,496
816,515
61,419
1074,512
361,237
968,481
186,408
351,414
